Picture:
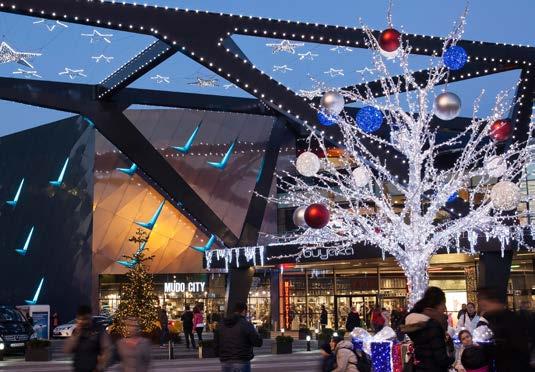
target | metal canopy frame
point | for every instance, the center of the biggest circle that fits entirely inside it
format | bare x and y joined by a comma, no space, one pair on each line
206,38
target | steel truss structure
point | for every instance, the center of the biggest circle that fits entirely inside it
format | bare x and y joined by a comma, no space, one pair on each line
207,38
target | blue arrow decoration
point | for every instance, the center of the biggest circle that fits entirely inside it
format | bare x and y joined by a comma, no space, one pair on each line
37,292
260,169
207,246
133,262
24,249
89,122
15,200
149,225
59,181
223,163
128,171
185,149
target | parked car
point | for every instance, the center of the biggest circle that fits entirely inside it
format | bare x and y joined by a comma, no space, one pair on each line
15,330
66,330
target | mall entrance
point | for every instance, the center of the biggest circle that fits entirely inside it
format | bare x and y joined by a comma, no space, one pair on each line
342,307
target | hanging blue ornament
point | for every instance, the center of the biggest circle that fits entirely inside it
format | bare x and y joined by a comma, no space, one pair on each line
452,197
455,57
326,119
369,119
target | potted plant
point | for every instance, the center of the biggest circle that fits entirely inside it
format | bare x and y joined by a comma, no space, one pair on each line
207,349
282,345
304,331
38,351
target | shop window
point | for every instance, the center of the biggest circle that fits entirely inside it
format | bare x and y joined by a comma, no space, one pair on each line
259,301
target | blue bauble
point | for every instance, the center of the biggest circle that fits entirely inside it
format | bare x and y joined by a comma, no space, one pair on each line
455,57
326,119
369,119
452,197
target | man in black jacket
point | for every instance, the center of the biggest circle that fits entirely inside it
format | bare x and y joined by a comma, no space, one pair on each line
187,326
234,340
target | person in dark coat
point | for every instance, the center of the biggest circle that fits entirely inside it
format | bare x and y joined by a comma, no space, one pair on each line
323,317
234,340
426,326
164,323
353,320
187,326
510,347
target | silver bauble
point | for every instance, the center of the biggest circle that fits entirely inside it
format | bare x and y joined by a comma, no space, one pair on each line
389,55
361,176
332,102
308,164
447,106
299,217
505,196
496,166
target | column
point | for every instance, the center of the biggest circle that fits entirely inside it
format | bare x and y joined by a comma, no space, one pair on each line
238,286
275,299
494,270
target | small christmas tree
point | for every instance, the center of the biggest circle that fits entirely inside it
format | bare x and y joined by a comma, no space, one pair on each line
138,298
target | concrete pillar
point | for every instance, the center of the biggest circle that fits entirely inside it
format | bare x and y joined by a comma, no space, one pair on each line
494,270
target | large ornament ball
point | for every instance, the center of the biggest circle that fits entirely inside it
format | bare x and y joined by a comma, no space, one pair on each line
455,57
332,102
299,217
317,216
326,119
390,40
447,106
505,196
501,130
369,119
308,164
361,176
496,166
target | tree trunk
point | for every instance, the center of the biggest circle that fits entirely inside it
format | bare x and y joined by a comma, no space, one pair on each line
417,280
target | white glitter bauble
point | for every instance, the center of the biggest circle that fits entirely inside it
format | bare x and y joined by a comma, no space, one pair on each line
308,164
332,102
299,217
447,106
361,176
505,196
496,166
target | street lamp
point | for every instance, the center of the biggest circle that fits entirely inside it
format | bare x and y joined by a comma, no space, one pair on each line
282,331
308,342
317,331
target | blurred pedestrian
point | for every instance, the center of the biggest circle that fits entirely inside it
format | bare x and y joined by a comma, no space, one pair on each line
323,317
353,320
474,360
198,322
134,351
426,326
327,357
89,343
55,322
164,324
346,359
510,347
469,319
462,311
378,321
397,320
234,340
386,315
187,326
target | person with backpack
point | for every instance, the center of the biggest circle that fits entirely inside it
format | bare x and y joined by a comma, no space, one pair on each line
89,343
344,356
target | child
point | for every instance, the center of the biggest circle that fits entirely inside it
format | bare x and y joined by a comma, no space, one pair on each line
471,357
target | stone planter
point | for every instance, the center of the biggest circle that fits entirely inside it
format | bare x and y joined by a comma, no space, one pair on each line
41,354
281,348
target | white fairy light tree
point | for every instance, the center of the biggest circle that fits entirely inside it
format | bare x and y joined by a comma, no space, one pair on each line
357,188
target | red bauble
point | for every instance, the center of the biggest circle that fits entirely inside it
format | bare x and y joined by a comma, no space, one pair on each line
501,130
390,40
317,216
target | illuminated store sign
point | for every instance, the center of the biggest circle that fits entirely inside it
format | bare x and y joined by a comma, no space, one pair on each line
184,287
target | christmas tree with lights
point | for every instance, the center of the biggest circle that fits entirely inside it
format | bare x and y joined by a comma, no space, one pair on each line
138,298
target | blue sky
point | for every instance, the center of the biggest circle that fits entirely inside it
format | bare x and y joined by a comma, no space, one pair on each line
489,20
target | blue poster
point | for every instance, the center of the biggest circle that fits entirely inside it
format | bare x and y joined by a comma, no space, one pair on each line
40,324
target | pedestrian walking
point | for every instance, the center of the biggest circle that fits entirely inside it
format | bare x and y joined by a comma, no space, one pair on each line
469,319
353,320
134,351
510,347
378,320
187,326
164,324
426,326
89,343
198,322
323,317
234,340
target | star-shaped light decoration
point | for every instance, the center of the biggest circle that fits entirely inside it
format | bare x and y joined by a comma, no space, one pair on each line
96,36
102,57
231,85
160,79
341,49
27,73
307,56
51,26
366,69
332,72
205,83
8,54
282,68
73,73
284,46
